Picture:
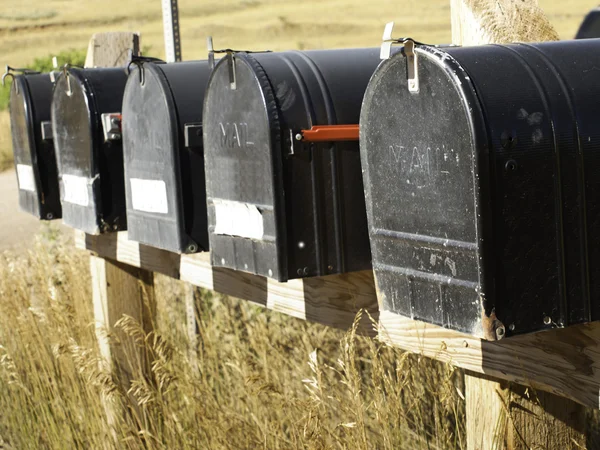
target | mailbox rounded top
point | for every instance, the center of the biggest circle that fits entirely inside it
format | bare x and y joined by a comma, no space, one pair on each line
74,122
241,124
21,120
150,123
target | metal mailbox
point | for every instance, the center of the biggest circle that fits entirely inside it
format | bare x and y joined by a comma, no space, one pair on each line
33,149
86,116
481,180
590,27
163,154
285,194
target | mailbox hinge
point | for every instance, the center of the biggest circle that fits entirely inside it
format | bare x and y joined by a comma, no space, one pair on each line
111,124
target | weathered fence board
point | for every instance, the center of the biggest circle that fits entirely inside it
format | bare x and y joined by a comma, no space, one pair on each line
563,361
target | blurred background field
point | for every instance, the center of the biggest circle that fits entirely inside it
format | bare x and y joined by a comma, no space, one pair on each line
44,28
262,380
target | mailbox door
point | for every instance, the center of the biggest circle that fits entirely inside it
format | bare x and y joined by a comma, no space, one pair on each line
243,164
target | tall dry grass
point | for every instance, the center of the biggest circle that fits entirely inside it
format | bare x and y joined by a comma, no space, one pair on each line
260,380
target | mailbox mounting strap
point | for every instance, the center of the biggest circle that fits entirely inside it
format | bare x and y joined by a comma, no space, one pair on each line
329,133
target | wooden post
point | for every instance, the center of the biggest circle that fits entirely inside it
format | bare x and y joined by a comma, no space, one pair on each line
120,290
502,415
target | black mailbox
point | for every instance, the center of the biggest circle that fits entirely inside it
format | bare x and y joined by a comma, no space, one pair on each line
86,115
285,194
481,179
35,162
590,27
164,161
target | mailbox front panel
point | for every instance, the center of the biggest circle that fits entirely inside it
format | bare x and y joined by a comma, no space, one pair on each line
164,161
243,167
90,167
33,150
286,208
504,144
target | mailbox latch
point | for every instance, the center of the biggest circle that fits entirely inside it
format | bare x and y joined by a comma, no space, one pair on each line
193,135
46,130
409,53
111,124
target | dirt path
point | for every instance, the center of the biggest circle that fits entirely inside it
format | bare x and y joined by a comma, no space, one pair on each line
17,228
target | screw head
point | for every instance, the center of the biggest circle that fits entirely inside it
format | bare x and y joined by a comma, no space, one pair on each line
511,165
500,331
299,137
547,320
49,216
192,248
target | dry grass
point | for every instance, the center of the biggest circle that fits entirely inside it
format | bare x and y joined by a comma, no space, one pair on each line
263,380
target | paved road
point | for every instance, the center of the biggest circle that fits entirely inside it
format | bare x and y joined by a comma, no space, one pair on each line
17,228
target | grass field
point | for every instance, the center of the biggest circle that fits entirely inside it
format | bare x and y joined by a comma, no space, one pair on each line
264,380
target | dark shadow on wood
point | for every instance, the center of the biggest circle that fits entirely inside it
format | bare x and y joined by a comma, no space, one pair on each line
240,285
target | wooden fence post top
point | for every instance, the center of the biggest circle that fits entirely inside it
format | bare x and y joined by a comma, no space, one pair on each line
112,49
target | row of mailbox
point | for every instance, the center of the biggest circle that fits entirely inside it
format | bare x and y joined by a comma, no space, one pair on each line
481,194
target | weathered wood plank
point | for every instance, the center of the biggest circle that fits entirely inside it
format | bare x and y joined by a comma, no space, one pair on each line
112,49
333,300
510,417
563,361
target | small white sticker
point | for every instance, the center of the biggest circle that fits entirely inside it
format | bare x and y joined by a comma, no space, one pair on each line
25,177
149,195
238,219
75,189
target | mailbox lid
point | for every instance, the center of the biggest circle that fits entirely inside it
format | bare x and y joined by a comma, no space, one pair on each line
90,168
33,149
243,162
166,191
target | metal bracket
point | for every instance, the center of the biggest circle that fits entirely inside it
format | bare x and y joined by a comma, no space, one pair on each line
111,125
409,52
231,65
193,135
227,51
46,130
9,72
